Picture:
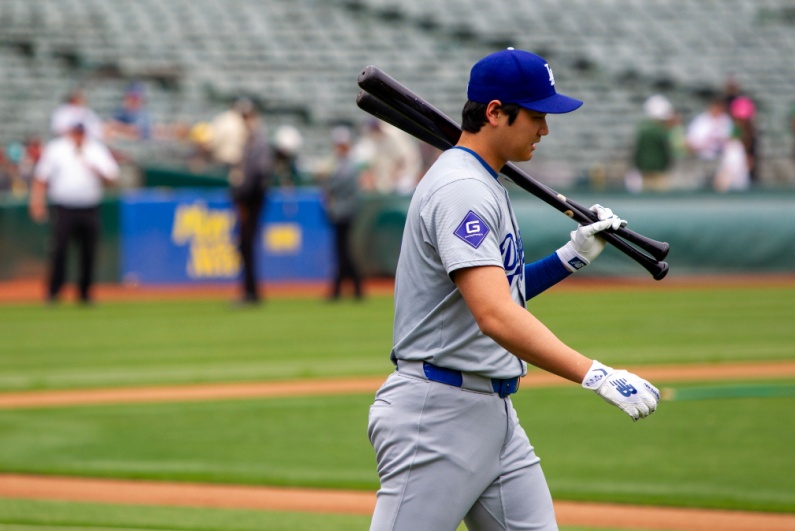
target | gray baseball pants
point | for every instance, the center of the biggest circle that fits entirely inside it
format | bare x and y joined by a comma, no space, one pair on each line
447,454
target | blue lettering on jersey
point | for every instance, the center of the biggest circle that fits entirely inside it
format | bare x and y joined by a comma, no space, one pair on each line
512,258
472,229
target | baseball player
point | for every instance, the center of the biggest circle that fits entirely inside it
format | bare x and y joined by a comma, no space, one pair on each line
448,442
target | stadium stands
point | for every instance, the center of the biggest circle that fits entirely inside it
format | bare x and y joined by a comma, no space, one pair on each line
300,59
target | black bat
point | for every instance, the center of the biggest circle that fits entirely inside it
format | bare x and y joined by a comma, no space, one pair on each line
443,133
392,92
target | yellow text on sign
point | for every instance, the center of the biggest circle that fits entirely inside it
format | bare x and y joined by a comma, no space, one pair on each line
213,253
283,238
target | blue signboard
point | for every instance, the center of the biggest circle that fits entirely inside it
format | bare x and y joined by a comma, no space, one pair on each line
190,236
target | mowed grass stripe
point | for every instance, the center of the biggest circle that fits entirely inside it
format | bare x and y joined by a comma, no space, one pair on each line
709,453
134,344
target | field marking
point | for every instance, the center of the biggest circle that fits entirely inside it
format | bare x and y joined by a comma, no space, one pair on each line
139,492
315,387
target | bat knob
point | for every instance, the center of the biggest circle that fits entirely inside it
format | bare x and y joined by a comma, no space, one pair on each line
660,271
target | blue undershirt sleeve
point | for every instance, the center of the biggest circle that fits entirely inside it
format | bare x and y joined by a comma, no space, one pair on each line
543,274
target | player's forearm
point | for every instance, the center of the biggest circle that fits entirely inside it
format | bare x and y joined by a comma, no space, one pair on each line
488,297
520,333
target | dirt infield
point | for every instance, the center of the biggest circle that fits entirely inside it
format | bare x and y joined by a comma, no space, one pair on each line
613,516
32,290
315,387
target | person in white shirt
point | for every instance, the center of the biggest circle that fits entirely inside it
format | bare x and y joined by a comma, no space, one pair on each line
72,172
75,109
706,137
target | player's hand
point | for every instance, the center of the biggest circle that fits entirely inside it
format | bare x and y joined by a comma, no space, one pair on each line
586,244
632,394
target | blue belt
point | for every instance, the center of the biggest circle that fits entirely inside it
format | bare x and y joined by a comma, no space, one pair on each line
503,387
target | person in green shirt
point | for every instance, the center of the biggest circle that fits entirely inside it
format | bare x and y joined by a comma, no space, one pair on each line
652,154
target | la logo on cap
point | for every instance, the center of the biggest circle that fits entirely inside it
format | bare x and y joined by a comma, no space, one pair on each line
551,75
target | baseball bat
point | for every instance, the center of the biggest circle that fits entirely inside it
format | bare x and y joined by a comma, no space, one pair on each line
389,90
426,131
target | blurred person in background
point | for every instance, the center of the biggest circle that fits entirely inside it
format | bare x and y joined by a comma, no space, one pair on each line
341,196
249,181
743,112
75,109
706,135
31,153
7,173
228,133
733,171
131,119
652,155
72,172
393,160
288,167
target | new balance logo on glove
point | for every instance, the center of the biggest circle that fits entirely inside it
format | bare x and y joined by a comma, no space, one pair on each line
623,387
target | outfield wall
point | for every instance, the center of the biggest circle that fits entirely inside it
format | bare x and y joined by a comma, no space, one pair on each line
708,233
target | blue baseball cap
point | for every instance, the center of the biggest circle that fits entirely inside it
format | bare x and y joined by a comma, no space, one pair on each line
516,76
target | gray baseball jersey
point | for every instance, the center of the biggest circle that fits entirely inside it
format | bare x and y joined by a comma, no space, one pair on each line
460,216
449,453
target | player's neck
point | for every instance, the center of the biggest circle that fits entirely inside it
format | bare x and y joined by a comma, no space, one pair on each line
479,144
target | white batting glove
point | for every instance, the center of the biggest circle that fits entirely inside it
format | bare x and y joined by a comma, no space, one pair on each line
632,394
585,245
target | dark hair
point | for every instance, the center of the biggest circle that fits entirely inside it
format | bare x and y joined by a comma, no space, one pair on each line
474,115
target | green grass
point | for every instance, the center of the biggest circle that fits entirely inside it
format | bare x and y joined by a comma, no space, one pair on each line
677,326
723,453
147,343
320,442
24,515
733,453
729,453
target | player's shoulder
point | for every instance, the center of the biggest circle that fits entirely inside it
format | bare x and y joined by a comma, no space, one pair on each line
456,172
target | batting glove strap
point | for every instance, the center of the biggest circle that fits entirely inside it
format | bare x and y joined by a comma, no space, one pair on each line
596,375
571,259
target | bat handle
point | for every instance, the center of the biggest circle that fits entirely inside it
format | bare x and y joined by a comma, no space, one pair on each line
657,269
658,250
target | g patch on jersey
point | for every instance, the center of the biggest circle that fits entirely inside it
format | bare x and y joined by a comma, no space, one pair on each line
472,229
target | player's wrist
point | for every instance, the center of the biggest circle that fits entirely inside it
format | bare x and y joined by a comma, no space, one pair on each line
596,375
570,258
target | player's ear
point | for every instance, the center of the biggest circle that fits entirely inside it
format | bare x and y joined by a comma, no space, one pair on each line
493,110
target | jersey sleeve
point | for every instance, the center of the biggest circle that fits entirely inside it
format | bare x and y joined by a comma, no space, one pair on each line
461,221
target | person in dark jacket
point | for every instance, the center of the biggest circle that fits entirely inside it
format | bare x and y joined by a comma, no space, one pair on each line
249,182
341,199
